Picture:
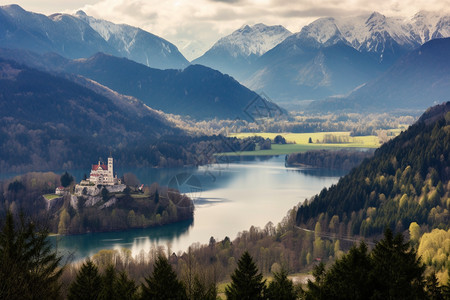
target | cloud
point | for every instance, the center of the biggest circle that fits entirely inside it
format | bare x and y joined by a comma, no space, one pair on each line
226,1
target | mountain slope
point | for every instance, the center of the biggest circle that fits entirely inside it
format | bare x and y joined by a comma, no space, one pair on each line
300,68
418,80
197,91
137,44
387,38
407,180
63,34
233,54
39,112
379,40
78,36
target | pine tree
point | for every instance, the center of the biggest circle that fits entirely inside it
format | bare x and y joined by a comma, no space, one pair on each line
163,283
29,268
246,282
397,272
434,291
87,284
281,288
107,291
346,279
200,290
125,288
66,179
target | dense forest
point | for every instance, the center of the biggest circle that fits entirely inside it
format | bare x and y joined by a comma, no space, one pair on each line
330,159
50,122
406,181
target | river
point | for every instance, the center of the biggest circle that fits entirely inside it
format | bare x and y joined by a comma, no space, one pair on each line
228,198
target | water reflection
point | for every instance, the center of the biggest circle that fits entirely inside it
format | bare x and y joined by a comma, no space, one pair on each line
233,197
79,246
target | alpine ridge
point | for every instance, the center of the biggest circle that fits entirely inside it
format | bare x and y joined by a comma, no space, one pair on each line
81,36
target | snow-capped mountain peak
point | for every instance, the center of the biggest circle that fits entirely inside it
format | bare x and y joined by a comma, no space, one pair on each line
137,44
371,32
428,25
323,30
252,40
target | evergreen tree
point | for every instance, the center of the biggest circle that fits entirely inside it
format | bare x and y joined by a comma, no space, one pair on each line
107,291
397,272
246,282
66,179
163,283
125,288
315,289
391,271
29,268
434,291
347,278
281,288
202,291
87,284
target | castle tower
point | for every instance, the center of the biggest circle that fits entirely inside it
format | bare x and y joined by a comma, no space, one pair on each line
110,169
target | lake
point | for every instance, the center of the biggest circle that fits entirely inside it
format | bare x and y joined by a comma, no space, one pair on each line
228,198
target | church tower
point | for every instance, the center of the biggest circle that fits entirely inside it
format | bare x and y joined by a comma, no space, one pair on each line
110,169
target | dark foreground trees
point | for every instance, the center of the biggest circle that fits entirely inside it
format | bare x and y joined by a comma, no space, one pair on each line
391,271
163,283
29,267
246,282
89,284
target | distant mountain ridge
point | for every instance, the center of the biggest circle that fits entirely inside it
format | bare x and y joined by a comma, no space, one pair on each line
377,33
197,91
297,69
234,53
416,81
137,44
79,36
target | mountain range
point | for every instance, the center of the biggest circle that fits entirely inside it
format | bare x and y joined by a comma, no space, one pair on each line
416,81
81,36
197,91
352,58
315,63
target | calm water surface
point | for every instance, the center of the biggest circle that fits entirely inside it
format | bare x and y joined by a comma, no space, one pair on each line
229,198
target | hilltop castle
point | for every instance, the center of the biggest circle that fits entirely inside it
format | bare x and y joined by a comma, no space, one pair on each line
102,174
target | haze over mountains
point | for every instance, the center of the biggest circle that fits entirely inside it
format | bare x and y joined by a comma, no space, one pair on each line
329,57
318,61
416,81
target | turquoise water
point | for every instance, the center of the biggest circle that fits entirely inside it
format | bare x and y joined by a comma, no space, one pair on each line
228,198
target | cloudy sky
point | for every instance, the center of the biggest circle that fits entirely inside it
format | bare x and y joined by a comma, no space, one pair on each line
194,25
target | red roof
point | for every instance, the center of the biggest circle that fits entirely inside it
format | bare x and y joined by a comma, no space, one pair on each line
103,167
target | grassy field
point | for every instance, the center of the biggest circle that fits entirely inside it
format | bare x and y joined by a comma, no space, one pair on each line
51,196
300,142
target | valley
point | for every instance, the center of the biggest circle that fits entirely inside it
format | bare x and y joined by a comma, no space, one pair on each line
311,141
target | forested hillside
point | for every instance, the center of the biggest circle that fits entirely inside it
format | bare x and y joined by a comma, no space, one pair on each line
406,181
50,122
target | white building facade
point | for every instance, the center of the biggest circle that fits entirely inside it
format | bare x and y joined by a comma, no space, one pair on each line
103,174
